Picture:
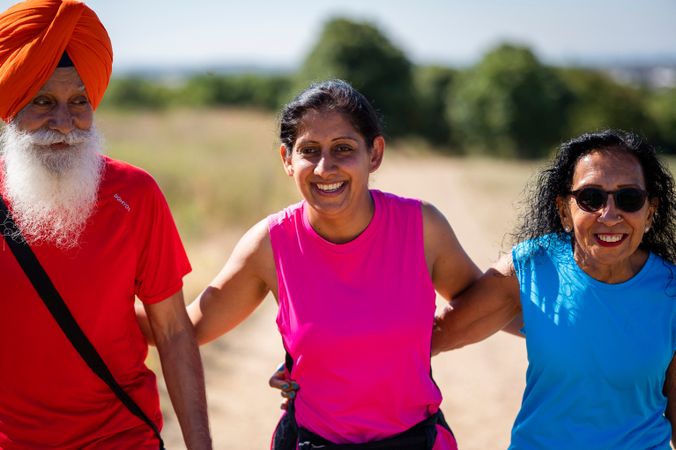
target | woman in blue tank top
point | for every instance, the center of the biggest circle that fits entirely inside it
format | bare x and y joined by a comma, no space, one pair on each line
593,281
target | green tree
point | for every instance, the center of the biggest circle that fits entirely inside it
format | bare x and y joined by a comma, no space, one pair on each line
256,90
432,88
362,55
600,102
509,105
204,90
662,108
137,92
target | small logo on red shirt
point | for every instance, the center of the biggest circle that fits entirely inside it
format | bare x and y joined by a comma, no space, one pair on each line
122,202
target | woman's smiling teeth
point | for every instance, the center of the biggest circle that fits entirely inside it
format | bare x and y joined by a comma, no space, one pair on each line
329,187
610,237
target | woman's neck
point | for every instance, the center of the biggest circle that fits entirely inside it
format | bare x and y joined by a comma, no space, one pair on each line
612,273
344,226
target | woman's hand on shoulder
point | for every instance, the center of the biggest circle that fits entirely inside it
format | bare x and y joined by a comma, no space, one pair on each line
241,285
450,267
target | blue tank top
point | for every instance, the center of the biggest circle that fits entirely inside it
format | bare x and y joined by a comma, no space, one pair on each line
597,352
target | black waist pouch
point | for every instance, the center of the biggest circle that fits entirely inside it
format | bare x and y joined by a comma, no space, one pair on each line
419,437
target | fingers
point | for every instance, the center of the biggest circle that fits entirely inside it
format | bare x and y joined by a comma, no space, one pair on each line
287,386
280,380
290,393
288,396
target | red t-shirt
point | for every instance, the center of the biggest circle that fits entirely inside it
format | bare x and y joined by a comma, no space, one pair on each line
49,398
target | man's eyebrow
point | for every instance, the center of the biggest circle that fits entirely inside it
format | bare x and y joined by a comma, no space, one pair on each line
80,88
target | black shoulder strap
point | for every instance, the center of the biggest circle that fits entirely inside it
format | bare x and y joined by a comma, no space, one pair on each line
55,304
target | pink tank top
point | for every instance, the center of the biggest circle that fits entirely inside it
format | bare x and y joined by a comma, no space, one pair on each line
357,320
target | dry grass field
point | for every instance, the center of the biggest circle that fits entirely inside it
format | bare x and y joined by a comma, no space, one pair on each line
221,173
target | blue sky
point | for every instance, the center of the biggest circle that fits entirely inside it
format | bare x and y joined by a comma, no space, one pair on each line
279,33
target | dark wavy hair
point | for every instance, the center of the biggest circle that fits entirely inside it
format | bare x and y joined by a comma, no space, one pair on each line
330,95
541,215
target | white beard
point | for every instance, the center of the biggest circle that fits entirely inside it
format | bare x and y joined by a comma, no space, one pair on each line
52,191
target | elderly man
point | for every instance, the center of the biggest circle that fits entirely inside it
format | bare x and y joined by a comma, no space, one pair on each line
103,234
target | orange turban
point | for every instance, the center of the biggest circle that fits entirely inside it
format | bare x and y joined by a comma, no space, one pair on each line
34,35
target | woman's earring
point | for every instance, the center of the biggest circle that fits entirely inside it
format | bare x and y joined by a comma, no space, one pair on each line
567,228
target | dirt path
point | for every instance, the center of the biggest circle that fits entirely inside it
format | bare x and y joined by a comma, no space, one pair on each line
482,384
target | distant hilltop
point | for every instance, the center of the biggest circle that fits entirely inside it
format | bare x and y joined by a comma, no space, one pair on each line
652,76
654,73
170,71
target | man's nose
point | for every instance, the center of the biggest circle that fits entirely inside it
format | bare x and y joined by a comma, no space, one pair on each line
62,119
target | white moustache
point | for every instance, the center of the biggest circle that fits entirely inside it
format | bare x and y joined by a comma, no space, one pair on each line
45,137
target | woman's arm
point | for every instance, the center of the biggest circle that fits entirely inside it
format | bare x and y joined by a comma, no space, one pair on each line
238,289
515,326
451,269
483,309
479,306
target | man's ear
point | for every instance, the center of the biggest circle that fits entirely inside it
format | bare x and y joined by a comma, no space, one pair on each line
377,153
286,160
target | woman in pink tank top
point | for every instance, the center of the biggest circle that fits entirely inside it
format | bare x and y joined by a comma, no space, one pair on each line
354,272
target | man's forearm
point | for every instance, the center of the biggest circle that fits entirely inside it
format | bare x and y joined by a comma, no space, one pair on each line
184,378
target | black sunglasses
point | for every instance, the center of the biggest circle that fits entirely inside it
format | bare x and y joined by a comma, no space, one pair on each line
627,199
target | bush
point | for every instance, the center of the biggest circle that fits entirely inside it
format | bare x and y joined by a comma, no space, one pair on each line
360,54
509,105
262,91
135,92
600,102
662,109
432,89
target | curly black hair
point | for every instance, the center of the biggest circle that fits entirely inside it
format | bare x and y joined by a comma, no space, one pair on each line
541,215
